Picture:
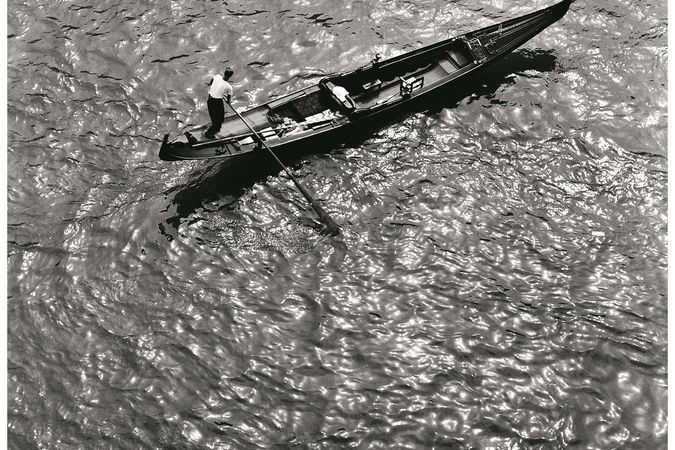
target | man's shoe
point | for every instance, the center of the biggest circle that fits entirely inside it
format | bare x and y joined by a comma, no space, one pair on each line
191,139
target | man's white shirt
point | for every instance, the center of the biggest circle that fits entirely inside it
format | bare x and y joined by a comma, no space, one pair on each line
220,88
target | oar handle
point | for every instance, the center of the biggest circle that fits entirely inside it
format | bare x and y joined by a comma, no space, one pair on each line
330,224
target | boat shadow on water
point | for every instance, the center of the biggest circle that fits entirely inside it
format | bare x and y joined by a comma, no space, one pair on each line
214,181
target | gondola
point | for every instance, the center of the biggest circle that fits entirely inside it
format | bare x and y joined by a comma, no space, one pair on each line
383,88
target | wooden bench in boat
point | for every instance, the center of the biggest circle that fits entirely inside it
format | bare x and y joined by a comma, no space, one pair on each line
372,85
453,61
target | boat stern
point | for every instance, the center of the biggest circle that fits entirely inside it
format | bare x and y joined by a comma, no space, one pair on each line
164,151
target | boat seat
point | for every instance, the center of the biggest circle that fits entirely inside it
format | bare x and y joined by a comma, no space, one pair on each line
372,85
447,65
458,58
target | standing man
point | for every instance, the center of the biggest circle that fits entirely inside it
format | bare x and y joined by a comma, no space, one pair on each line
219,90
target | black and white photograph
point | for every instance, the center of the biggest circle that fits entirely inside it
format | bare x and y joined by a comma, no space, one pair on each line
336,224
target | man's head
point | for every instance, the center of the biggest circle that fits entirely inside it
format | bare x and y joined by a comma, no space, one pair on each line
228,73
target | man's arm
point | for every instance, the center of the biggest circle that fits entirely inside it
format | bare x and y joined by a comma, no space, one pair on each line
227,95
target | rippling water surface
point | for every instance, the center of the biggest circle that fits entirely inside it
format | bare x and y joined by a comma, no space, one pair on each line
500,280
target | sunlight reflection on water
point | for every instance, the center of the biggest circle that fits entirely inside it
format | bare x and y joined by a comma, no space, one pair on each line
500,279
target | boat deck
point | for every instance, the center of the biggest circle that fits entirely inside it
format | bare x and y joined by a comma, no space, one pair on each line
233,126
437,71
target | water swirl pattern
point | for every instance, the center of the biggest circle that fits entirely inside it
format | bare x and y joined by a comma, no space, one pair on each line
499,283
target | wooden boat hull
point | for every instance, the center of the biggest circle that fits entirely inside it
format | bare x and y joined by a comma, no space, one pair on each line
314,117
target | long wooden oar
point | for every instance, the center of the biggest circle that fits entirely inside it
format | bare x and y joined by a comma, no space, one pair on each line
331,227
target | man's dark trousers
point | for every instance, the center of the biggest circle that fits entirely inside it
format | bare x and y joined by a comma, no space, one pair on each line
217,114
